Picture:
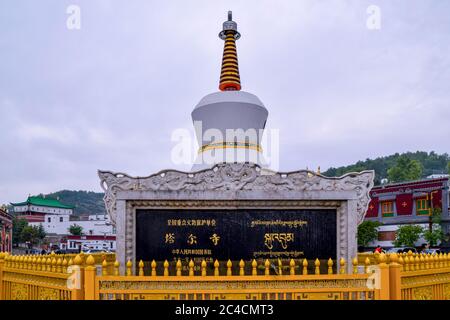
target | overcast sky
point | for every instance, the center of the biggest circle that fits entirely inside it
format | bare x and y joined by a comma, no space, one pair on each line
109,95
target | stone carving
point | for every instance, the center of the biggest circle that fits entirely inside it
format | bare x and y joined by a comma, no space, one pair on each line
237,177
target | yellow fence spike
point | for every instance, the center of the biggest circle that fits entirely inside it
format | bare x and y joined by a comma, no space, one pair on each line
280,267
104,267
116,268
254,268
191,268
166,268
141,268
267,267
292,267
216,268
342,269
317,266
153,266
229,265
355,265
178,266
129,266
59,265
203,266
330,266
305,267
241,267
366,265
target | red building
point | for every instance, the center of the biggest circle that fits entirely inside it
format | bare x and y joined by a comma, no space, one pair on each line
5,231
408,203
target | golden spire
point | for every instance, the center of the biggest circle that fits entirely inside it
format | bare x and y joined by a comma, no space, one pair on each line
229,76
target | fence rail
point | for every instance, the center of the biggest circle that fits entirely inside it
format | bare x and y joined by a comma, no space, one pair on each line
98,277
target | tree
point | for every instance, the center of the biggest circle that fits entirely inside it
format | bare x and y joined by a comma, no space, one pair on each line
405,169
367,232
18,225
75,230
32,234
407,235
434,236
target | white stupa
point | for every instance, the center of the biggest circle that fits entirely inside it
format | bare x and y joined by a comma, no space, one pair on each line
229,124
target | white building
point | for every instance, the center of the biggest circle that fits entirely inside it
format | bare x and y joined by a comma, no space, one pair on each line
60,223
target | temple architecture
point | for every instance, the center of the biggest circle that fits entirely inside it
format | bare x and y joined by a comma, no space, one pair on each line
410,202
6,225
229,206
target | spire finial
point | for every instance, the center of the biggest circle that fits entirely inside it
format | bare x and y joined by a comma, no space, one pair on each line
229,77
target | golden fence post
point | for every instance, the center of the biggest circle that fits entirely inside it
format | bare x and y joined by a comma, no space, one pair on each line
141,268
422,262
89,278
54,264
2,261
436,261
342,266
292,267
153,266
104,267
447,260
417,263
305,267
129,266
395,290
406,265
116,268
229,265
355,265
216,268
330,266
241,267
267,267
178,266
384,278
317,266
59,265
78,293
254,266
366,265
280,267
166,268
191,268
427,262
441,260
203,266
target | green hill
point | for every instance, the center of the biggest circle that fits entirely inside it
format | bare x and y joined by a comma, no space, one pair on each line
88,202
432,163
85,202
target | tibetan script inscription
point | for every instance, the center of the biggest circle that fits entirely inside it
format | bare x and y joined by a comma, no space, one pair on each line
235,234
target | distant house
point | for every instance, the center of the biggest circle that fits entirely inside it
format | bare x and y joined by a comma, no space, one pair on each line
34,209
57,217
408,203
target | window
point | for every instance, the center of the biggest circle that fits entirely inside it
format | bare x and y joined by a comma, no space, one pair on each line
387,208
49,219
422,207
60,219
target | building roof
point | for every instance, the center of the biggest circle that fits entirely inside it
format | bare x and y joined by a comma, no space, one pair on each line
43,202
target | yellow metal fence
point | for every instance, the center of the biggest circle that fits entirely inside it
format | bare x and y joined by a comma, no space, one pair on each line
98,277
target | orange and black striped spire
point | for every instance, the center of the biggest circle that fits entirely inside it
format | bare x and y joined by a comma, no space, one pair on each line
229,76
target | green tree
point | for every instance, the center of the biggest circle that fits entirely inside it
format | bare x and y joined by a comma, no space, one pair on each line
18,225
407,235
32,234
367,232
405,169
434,236
75,230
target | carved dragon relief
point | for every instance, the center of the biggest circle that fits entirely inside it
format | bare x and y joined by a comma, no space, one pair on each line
237,177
